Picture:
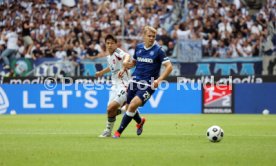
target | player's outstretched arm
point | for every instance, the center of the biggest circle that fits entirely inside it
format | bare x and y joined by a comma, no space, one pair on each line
164,75
131,64
128,62
102,72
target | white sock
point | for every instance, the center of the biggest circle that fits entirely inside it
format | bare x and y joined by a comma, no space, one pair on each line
130,114
109,125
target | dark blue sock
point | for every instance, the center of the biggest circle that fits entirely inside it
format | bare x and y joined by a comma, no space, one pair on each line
137,117
125,121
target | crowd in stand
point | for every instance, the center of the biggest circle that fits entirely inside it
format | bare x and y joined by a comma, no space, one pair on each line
228,30
48,28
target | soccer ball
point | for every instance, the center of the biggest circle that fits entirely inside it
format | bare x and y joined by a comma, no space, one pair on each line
215,133
265,112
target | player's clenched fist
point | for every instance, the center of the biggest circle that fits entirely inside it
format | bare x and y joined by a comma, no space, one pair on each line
99,74
155,84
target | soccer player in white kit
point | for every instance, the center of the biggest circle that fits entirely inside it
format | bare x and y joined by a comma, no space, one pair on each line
117,65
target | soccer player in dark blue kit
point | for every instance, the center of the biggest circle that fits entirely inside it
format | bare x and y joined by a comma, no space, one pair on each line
148,58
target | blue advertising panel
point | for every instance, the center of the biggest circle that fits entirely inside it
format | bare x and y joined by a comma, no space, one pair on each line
254,98
84,99
36,99
174,101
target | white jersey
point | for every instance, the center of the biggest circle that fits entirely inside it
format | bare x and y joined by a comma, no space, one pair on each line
12,40
115,63
119,85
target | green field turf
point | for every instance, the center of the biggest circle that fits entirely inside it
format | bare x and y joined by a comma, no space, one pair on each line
71,140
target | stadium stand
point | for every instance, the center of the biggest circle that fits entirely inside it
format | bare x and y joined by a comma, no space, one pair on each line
73,32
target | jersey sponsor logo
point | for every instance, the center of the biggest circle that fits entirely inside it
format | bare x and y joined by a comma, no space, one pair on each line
4,101
147,60
166,58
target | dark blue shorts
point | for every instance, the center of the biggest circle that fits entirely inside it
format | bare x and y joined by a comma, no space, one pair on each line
144,92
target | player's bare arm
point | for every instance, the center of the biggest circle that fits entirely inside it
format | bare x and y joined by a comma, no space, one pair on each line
127,64
130,64
164,75
102,72
126,60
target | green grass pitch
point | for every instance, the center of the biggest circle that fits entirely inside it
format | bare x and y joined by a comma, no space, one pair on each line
34,140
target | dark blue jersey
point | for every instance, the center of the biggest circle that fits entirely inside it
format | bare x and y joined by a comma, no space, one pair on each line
148,62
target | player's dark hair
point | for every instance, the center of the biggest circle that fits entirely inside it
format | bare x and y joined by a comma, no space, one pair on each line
110,37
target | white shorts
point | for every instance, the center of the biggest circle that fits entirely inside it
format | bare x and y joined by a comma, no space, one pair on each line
118,94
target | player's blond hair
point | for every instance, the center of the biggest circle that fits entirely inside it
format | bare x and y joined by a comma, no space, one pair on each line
149,28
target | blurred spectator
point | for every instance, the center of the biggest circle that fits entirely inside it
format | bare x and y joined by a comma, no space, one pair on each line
180,33
78,47
131,48
91,52
233,52
12,47
260,20
60,53
37,52
170,49
26,34
164,37
245,50
21,48
223,50
208,28
224,28
48,50
161,43
2,46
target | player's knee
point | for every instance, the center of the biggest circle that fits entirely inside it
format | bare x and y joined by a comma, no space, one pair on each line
132,107
111,114
134,104
112,111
